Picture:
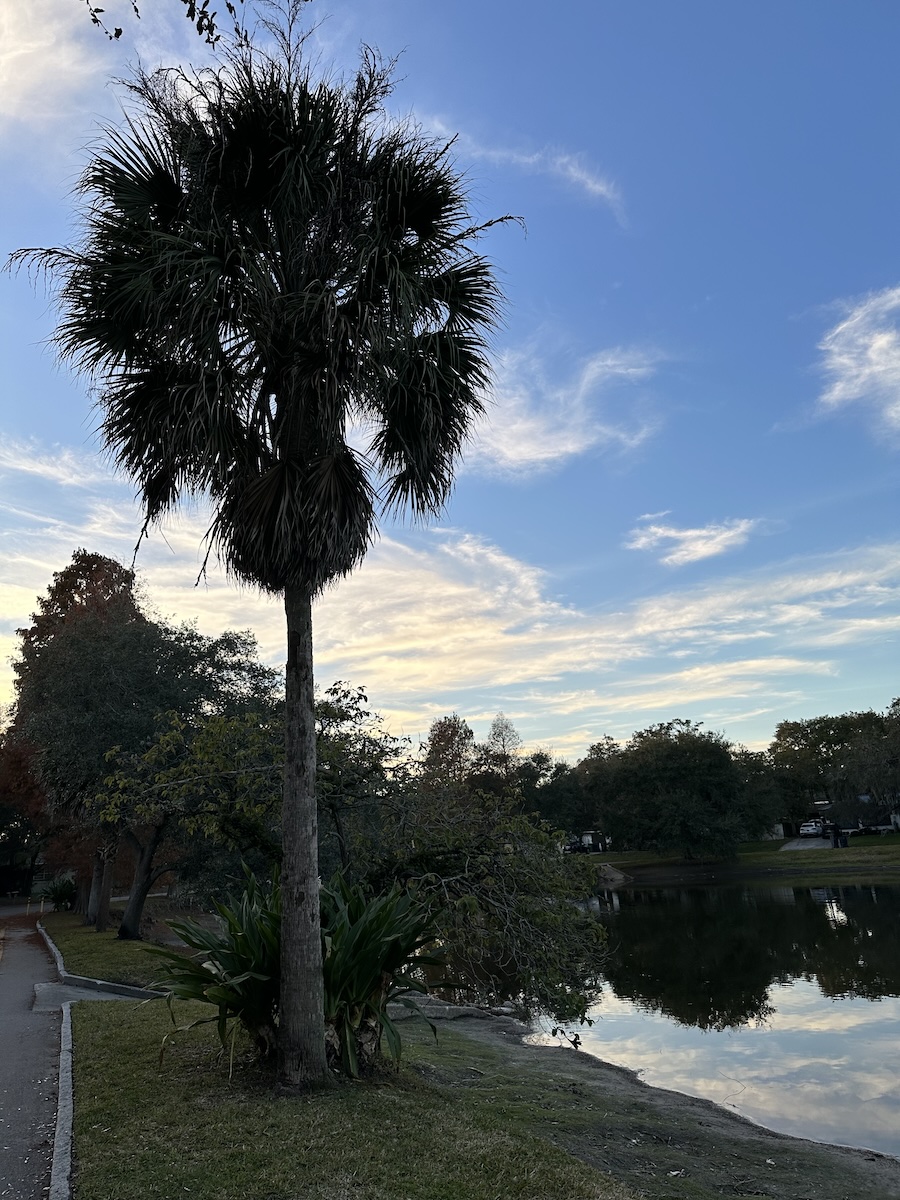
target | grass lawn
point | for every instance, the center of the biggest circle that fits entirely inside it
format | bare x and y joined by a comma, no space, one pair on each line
878,852
99,955
873,856
477,1116
449,1126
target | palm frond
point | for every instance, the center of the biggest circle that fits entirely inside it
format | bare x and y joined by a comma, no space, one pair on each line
265,257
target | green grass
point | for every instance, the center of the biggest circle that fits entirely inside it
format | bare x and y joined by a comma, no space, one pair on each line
625,858
99,955
768,846
877,854
441,1129
477,1116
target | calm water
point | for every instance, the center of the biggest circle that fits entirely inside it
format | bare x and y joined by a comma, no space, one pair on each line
781,1004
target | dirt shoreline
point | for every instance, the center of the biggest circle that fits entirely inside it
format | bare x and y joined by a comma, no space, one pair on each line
666,1145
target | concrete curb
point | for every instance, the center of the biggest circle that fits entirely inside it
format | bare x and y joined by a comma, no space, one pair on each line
51,946
95,985
61,1169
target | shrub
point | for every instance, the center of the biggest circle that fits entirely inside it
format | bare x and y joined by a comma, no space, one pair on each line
372,953
372,949
61,892
235,968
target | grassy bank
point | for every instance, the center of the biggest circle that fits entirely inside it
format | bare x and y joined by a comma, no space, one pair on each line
99,955
412,1135
875,858
477,1116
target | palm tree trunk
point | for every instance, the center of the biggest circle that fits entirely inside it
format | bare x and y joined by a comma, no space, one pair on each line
301,1029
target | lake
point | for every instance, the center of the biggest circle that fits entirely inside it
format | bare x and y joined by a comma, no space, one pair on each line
782,1004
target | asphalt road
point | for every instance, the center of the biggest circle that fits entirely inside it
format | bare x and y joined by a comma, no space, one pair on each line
29,1063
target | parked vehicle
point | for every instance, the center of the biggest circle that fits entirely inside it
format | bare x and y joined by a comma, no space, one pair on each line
591,842
812,829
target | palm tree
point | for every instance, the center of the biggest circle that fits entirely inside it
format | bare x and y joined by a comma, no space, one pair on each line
269,270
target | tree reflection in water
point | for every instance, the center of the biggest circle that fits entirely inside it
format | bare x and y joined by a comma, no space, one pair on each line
708,956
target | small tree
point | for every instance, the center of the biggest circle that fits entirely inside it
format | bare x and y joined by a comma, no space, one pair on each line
210,775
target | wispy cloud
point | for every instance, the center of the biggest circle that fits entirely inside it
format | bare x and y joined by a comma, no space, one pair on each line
565,165
691,545
861,358
571,168
61,464
455,618
48,59
535,422
441,620
55,68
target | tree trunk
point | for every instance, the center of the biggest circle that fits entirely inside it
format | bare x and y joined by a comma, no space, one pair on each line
81,897
301,1029
144,878
109,852
93,905
340,835
32,867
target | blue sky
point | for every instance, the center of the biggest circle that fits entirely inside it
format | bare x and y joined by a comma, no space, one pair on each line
685,500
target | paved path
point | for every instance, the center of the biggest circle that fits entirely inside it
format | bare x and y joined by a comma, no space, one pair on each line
808,844
31,1000
29,1062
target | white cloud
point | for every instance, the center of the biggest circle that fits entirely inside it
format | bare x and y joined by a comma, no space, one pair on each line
551,161
61,465
691,545
559,164
535,423
442,620
56,67
861,357
49,59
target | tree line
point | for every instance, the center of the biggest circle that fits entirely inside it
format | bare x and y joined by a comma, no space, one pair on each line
135,741
676,787
128,730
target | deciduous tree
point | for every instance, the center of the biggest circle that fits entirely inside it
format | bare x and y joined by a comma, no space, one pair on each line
674,786
93,676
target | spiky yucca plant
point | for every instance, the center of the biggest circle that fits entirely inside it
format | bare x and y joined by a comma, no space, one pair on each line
236,968
373,954
375,947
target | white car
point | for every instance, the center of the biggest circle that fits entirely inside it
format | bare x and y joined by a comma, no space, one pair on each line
812,829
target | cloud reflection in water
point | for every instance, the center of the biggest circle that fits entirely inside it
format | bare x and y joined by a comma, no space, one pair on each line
792,1022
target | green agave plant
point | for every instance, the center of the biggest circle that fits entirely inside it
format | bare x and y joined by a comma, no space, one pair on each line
236,968
61,892
373,950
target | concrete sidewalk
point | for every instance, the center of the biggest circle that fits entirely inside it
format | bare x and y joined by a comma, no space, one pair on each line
32,1025
29,1062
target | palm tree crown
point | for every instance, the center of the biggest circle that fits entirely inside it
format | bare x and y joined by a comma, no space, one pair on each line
268,264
